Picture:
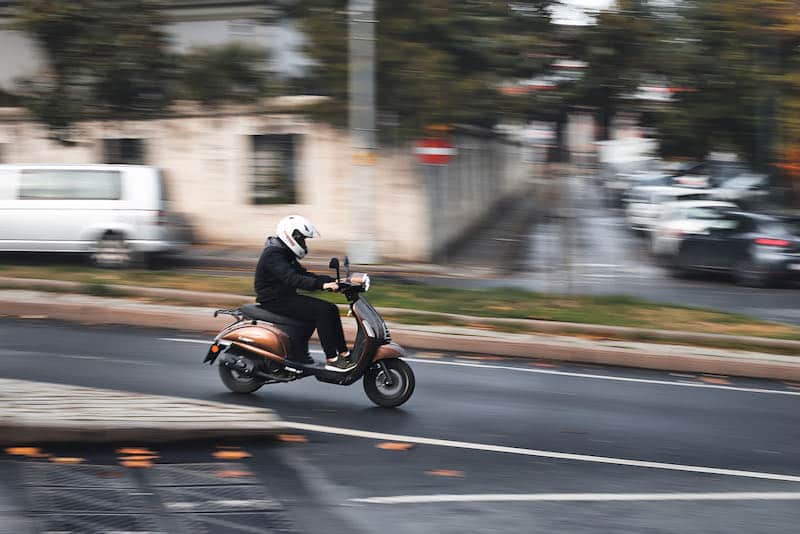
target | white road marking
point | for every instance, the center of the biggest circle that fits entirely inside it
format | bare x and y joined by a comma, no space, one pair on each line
230,503
179,340
584,497
564,373
26,353
606,377
539,453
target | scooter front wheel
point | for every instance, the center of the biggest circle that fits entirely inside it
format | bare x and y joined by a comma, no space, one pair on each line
237,382
389,383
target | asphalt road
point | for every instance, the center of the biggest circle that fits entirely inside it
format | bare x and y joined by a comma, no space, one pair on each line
487,444
586,248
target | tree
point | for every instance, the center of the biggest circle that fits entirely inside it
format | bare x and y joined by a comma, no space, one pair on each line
740,59
619,51
104,58
233,72
437,61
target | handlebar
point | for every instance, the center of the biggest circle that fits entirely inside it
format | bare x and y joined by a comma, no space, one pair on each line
360,281
235,312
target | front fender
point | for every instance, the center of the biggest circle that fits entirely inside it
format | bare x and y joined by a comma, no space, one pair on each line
390,350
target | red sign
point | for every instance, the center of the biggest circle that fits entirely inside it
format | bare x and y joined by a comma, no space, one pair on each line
435,151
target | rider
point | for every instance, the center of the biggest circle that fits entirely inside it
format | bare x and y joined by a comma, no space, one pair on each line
278,277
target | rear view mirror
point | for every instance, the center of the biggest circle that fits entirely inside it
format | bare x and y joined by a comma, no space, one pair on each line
334,264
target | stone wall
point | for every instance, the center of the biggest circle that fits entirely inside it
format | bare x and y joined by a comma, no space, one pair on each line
207,159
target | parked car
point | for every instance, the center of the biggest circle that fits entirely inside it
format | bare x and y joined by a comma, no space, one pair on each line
651,173
645,203
747,190
757,249
115,213
680,219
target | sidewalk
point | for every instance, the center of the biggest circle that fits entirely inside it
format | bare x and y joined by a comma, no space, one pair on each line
36,412
99,310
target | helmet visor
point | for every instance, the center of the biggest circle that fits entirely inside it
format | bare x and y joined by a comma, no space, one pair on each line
300,238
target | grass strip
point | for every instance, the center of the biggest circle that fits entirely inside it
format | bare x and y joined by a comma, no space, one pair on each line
419,298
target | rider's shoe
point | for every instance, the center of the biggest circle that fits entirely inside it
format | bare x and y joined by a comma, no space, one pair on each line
341,364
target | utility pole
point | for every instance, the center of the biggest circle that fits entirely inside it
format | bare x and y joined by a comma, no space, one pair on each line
363,246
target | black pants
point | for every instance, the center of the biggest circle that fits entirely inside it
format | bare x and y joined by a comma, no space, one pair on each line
324,315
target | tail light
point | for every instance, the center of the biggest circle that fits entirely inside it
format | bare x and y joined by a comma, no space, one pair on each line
769,242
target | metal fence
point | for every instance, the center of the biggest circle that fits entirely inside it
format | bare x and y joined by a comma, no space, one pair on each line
485,171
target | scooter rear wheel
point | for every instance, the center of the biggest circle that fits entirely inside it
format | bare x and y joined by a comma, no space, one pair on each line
392,390
236,382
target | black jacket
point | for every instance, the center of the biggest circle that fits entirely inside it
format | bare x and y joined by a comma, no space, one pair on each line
279,274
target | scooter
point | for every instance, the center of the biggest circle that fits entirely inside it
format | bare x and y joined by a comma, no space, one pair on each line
261,347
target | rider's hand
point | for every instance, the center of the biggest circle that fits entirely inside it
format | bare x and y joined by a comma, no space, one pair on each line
331,286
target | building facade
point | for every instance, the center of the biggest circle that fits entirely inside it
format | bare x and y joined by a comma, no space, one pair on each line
189,24
236,171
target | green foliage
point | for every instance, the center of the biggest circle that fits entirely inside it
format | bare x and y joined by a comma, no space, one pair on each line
232,72
437,61
440,61
8,99
104,58
734,56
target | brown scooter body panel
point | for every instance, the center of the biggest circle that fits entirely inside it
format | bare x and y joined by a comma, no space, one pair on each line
259,352
390,350
262,340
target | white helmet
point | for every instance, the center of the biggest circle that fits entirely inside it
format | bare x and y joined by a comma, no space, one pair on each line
293,231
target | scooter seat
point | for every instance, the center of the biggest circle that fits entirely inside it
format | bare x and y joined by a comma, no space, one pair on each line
254,311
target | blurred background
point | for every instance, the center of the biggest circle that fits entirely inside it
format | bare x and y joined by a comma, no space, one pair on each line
504,170
546,143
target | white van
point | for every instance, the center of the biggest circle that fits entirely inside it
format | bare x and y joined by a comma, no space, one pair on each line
116,213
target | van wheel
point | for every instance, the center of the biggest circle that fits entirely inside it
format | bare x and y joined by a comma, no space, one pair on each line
112,252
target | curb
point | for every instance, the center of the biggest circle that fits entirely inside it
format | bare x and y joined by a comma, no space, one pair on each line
549,327
102,311
80,414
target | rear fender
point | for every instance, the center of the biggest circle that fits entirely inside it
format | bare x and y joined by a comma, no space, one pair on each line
390,350
257,336
256,351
